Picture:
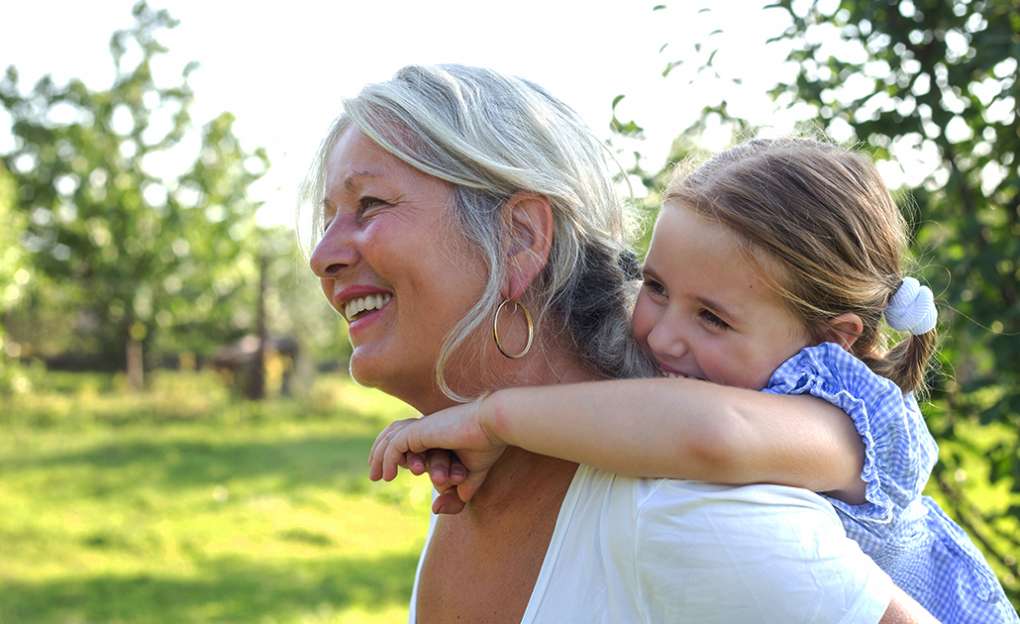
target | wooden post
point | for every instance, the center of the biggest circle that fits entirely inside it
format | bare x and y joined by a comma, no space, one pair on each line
257,387
135,356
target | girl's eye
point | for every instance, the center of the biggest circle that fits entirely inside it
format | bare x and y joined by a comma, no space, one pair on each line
654,287
710,318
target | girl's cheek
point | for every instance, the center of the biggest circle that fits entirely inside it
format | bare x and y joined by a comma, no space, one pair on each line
643,319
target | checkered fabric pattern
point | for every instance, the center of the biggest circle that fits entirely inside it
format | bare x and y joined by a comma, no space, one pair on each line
924,552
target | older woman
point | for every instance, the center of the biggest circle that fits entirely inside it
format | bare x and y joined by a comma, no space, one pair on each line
471,238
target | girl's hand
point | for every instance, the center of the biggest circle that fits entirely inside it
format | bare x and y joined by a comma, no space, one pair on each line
446,473
458,429
442,466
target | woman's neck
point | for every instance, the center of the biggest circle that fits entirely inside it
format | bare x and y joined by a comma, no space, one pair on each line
520,479
547,367
519,474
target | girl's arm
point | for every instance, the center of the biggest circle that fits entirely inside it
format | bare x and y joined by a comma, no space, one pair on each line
684,428
678,428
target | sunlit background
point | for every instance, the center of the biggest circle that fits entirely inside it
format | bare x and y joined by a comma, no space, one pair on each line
179,440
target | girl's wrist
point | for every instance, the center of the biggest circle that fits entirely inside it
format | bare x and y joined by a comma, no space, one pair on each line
493,417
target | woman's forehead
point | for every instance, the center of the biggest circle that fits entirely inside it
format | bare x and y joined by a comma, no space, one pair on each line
356,160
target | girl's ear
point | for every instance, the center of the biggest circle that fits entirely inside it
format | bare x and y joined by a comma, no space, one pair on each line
530,221
844,329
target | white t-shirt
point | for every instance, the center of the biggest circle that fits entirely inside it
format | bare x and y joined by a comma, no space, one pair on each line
659,550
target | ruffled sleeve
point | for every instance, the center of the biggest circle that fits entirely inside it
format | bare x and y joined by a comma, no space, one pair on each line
899,451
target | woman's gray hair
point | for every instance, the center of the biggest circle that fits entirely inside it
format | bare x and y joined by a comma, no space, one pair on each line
491,136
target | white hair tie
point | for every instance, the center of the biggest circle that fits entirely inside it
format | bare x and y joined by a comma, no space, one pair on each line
912,308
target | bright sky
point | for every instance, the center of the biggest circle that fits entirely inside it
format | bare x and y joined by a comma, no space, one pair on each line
283,67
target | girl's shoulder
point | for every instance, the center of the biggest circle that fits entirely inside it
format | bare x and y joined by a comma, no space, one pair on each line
899,451
834,369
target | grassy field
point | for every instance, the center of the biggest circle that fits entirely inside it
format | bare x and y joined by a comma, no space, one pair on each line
185,505
182,505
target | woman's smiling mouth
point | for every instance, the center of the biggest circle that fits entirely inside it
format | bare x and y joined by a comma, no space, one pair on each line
363,305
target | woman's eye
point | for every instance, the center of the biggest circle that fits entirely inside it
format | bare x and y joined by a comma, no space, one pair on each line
710,318
368,202
326,222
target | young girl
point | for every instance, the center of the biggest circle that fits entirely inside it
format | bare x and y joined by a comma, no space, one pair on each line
770,269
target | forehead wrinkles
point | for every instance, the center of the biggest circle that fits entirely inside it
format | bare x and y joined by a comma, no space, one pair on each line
354,155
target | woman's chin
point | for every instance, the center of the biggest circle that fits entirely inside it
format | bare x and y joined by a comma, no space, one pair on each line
363,369
374,369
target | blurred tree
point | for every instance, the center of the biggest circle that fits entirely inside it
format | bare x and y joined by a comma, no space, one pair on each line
935,82
14,273
144,254
941,78
14,277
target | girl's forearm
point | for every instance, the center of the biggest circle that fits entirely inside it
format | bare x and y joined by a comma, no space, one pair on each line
683,428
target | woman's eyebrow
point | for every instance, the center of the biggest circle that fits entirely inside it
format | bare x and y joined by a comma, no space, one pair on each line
350,182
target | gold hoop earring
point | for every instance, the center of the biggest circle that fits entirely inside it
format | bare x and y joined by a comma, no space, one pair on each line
495,330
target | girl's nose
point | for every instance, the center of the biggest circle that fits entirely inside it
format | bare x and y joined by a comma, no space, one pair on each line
334,252
667,339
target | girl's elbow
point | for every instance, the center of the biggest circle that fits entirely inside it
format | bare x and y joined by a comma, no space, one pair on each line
714,452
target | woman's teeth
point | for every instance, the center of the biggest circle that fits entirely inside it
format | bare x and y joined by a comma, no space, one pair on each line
363,304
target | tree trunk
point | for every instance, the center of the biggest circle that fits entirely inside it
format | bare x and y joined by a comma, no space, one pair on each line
135,367
257,384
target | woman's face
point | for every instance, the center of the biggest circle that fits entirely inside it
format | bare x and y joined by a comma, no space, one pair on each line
393,262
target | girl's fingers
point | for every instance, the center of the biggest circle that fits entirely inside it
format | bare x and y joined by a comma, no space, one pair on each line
447,503
383,436
375,455
458,472
393,455
466,490
415,463
438,461
390,461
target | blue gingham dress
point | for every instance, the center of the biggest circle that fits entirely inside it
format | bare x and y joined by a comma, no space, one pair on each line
907,534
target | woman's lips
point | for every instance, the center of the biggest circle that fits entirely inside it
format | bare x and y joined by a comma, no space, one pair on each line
365,319
359,294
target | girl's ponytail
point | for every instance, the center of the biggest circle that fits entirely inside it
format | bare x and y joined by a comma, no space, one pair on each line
907,362
911,309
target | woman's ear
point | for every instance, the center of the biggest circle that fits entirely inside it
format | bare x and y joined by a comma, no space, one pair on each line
530,222
844,329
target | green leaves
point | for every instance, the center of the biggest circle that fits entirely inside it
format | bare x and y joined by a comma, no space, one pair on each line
624,128
110,226
967,227
942,80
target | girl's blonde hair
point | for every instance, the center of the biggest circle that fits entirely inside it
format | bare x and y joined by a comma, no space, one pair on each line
824,216
492,135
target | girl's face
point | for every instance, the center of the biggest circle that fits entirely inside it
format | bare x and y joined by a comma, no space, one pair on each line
705,312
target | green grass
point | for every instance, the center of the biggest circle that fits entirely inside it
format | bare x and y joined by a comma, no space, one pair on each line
182,505
185,505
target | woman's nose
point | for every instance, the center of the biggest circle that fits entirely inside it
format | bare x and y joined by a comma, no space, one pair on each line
334,252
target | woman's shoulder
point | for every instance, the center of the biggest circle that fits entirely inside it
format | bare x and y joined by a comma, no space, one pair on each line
688,543
677,497
682,515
